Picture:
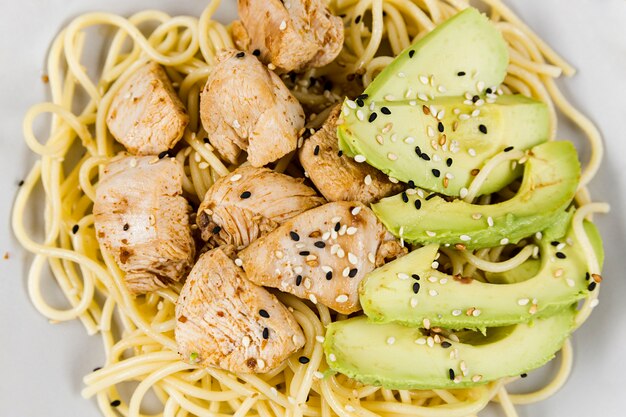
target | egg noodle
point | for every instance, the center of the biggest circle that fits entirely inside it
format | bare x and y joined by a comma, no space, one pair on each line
138,332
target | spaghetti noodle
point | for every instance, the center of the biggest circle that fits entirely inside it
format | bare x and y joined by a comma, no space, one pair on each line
137,333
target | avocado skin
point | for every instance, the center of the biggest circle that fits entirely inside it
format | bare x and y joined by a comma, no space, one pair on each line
467,42
362,352
550,181
386,298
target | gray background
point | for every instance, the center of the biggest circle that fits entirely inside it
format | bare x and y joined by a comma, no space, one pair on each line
41,366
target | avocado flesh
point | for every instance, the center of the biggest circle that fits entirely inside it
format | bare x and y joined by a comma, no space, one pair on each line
513,120
449,302
466,43
362,351
550,181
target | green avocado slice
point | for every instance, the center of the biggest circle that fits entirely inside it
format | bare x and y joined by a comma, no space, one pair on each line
550,181
439,144
409,291
457,55
396,357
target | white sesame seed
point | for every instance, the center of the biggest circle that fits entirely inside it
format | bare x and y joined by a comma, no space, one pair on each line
443,281
393,180
477,378
318,375
422,96
523,301
436,158
408,93
401,75
380,139
432,279
332,357
238,262
456,313
561,246
430,132
468,102
325,235
261,363
464,116
456,111
558,273
409,139
430,341
203,165
313,298
307,283
394,138
426,324
279,254
236,124
352,258
283,25
570,282
463,192
471,152
594,303
433,293
476,113
480,102
476,313
387,127
350,408
441,114
441,89
326,269
297,270
371,258
342,230
359,158
346,271
245,341
356,210
320,338
468,95
351,230
430,234
342,298
271,66
341,253
372,106
351,104
412,103
402,276
359,115
480,86
392,156
423,79
504,241
490,221
389,97
434,265
391,340
465,238
413,302
420,341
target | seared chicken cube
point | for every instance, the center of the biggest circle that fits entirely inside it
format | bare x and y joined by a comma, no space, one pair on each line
322,254
293,35
142,220
146,115
249,203
339,177
244,106
224,320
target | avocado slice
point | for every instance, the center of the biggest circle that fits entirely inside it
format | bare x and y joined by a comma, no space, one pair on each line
550,180
438,145
458,54
395,356
409,291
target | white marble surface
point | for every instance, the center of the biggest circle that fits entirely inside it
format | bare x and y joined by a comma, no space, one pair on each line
41,366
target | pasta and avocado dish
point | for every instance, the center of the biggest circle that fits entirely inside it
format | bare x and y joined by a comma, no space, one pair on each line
350,208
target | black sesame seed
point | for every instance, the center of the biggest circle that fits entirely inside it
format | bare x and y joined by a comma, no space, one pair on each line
303,360
359,102
266,333
555,243
75,229
320,244
425,157
256,52
591,286
126,227
357,19
416,287
115,403
316,151
216,230
418,151
329,275
362,96
433,195
206,140
460,73
436,172
298,280
587,276
418,204
446,345
489,91
415,277
240,54
385,110
524,375
97,368
405,197
440,127
19,184
342,15
294,236
475,99
411,53
451,374
449,162
372,117
328,85
304,253
508,149
411,184
337,226
264,314
245,194
340,153
483,129
353,272
162,154
560,255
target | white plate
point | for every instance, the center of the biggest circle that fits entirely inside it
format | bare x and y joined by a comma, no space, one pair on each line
41,366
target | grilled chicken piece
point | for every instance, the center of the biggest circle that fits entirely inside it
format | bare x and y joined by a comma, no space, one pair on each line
224,320
143,221
338,177
146,115
244,106
249,203
322,254
293,35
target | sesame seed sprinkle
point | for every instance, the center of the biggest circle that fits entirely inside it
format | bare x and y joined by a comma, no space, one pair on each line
283,25
313,298
359,158
342,298
356,210
359,115
465,238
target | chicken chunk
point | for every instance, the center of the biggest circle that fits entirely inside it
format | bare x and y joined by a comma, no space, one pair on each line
322,254
244,106
224,320
146,115
249,203
338,177
142,220
294,35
